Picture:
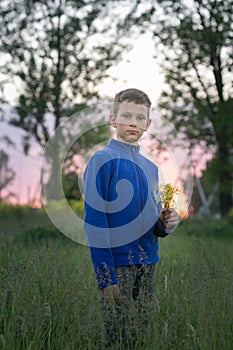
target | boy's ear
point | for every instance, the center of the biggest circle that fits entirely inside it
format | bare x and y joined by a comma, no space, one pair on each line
112,120
148,123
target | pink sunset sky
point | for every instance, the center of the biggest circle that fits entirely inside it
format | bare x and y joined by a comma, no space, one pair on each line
26,184
128,73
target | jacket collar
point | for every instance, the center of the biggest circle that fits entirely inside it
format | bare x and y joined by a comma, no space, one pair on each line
123,146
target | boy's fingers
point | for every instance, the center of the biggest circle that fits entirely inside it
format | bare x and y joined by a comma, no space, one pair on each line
117,293
171,216
173,220
112,291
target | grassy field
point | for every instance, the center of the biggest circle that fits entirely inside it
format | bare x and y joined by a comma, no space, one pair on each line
49,299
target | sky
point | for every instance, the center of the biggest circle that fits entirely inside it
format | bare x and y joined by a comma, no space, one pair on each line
137,69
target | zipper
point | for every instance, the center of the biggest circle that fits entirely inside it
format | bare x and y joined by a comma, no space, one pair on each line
140,188
140,182
139,177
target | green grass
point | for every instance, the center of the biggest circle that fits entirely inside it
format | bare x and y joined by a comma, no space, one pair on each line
49,298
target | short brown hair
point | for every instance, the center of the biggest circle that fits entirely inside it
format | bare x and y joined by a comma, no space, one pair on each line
131,95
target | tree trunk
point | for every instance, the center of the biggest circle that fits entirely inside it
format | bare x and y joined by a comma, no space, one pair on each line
225,180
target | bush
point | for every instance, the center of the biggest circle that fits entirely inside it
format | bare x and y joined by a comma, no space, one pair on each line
13,209
39,235
207,227
60,205
78,207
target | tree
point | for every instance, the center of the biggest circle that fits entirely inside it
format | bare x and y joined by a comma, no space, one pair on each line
58,51
7,175
70,184
194,42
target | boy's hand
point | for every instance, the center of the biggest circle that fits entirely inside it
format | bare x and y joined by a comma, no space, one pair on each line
169,218
112,291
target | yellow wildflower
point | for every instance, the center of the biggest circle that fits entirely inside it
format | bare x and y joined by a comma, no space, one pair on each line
166,195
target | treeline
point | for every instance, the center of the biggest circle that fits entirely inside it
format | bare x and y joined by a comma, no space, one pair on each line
59,51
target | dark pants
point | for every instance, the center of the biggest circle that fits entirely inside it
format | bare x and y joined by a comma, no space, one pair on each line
128,321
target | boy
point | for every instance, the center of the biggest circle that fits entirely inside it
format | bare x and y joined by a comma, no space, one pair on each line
123,220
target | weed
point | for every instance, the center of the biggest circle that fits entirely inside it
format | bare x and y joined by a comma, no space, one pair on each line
49,297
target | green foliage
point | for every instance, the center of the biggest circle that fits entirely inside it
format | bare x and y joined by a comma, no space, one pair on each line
59,51
194,47
59,205
39,235
17,218
208,228
78,207
7,174
71,186
231,213
96,133
13,210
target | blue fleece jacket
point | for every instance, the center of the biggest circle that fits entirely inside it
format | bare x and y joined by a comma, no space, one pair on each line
121,219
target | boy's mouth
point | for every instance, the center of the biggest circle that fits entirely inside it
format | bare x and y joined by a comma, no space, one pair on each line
133,132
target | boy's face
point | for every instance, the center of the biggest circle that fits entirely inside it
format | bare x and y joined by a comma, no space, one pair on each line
131,121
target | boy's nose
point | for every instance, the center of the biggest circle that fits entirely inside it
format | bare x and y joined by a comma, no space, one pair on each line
133,122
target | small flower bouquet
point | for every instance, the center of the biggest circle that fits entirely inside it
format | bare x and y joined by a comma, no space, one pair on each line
166,193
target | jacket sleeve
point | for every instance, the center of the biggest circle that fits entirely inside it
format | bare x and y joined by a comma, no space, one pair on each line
159,229
96,180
